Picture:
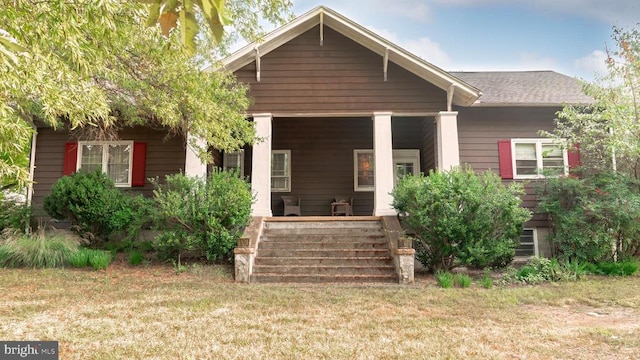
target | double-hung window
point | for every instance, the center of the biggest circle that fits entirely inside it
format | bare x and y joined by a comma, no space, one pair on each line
533,158
234,161
528,244
281,170
114,158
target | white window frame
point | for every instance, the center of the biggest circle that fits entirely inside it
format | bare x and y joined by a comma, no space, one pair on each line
225,160
405,156
288,170
105,157
535,243
538,145
400,155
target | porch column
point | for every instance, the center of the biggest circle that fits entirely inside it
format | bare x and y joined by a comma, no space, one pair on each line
193,165
448,149
261,166
383,165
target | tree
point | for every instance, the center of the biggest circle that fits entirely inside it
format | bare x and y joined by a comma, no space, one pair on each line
608,130
96,66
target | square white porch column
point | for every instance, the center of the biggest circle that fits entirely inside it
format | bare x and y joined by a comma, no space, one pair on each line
261,166
448,149
383,165
193,165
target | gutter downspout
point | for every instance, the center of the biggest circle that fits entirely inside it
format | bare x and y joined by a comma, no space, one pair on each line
32,166
450,92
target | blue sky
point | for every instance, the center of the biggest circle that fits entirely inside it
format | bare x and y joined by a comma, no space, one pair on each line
568,36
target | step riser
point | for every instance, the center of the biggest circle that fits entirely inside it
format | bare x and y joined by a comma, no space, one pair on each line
321,245
282,261
335,232
324,238
322,270
264,278
321,253
340,225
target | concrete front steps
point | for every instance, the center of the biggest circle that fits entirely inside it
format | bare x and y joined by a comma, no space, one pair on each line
322,250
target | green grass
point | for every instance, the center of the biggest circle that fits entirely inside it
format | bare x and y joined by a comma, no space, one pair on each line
150,312
99,259
462,280
81,258
445,279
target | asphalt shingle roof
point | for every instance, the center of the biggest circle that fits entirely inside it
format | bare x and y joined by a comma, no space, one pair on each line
524,88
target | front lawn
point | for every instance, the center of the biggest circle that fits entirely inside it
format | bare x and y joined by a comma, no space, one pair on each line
153,313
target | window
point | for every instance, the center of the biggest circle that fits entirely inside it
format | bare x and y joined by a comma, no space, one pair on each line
281,170
112,158
405,162
363,170
528,243
534,157
234,161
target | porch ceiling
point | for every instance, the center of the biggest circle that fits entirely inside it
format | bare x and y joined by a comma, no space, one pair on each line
464,94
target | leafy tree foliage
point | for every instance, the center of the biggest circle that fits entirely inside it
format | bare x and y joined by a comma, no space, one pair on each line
460,217
97,66
609,129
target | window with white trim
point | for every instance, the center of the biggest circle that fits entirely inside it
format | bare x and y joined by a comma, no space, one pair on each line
281,170
405,162
528,245
534,157
114,158
363,170
234,161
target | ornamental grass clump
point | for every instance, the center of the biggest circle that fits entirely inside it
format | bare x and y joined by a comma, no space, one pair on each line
37,250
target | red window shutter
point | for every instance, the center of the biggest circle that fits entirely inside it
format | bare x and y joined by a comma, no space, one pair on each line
573,157
70,163
139,164
504,154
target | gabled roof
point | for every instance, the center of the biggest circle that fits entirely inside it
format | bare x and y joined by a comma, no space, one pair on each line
463,93
525,88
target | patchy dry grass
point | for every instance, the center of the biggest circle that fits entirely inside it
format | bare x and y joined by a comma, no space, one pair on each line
152,313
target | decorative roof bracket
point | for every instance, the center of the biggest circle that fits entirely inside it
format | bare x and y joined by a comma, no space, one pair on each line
385,63
321,29
257,64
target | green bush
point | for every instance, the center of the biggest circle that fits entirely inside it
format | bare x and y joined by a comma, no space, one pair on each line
461,217
591,216
205,216
539,269
462,280
486,281
136,257
99,259
81,258
95,207
38,250
13,215
444,279
609,268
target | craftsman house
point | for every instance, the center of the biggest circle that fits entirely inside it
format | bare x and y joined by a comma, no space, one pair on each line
344,111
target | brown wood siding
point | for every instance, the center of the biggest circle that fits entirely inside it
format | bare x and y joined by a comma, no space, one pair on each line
322,161
164,156
340,76
479,130
428,158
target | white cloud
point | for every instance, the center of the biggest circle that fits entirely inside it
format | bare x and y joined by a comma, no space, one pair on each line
591,64
423,47
619,12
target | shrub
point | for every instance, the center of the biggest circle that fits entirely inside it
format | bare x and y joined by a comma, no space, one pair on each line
206,216
444,279
539,269
608,268
99,259
486,281
37,250
136,257
462,280
458,216
591,216
13,215
81,258
95,207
